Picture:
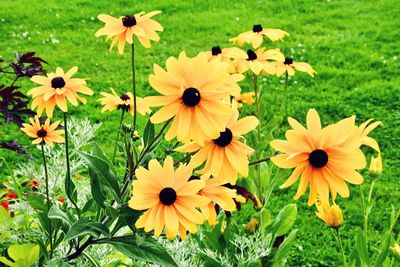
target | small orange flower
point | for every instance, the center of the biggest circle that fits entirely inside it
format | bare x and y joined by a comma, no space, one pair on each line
43,132
123,29
55,89
124,102
256,36
290,66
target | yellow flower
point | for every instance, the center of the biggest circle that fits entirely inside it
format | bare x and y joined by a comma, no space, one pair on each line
226,155
124,102
195,93
259,61
43,132
240,199
218,194
396,250
256,36
376,165
123,28
363,131
55,89
225,55
245,98
331,215
324,157
252,225
290,66
168,198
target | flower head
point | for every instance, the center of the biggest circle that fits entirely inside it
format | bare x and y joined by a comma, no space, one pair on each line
123,29
195,93
364,129
226,155
124,102
290,66
256,35
331,215
218,194
245,98
57,89
168,198
259,61
46,132
225,55
375,166
325,158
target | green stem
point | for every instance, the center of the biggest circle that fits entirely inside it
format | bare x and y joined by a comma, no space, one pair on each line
339,240
371,189
285,94
134,86
257,99
90,259
364,212
68,189
48,200
118,132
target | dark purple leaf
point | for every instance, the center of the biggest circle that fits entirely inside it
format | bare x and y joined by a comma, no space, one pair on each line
14,146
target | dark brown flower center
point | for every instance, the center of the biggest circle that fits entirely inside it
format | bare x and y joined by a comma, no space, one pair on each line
129,21
41,133
288,61
318,158
57,82
257,28
191,97
216,50
251,55
167,196
125,97
194,177
224,139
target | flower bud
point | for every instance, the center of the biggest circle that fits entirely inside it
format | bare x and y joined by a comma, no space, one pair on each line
252,225
376,165
140,149
126,127
332,215
395,249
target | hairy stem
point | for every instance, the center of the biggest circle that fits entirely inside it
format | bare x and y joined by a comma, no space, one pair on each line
339,240
68,189
258,168
134,85
48,199
118,133
364,212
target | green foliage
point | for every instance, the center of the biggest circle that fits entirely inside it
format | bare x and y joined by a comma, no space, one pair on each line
24,255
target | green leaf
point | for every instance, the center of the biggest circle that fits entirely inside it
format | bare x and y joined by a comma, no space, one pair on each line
5,218
361,247
149,250
95,187
384,249
285,220
56,213
148,134
284,248
105,174
83,227
23,255
111,212
37,201
265,218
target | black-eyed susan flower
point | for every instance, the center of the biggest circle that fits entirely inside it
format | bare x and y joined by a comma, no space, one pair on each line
290,66
46,132
195,93
123,102
255,37
218,194
259,61
245,98
330,215
122,29
324,158
227,155
168,198
58,88
225,55
375,166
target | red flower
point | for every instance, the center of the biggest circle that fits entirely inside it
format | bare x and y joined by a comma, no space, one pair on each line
61,200
4,205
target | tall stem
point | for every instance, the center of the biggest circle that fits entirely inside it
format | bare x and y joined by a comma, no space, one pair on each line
69,181
364,212
371,189
285,94
48,200
258,167
134,85
339,240
118,132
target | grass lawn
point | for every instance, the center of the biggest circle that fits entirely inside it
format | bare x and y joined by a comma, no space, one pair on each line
353,45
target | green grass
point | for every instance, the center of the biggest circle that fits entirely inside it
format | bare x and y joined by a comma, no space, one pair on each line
353,45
